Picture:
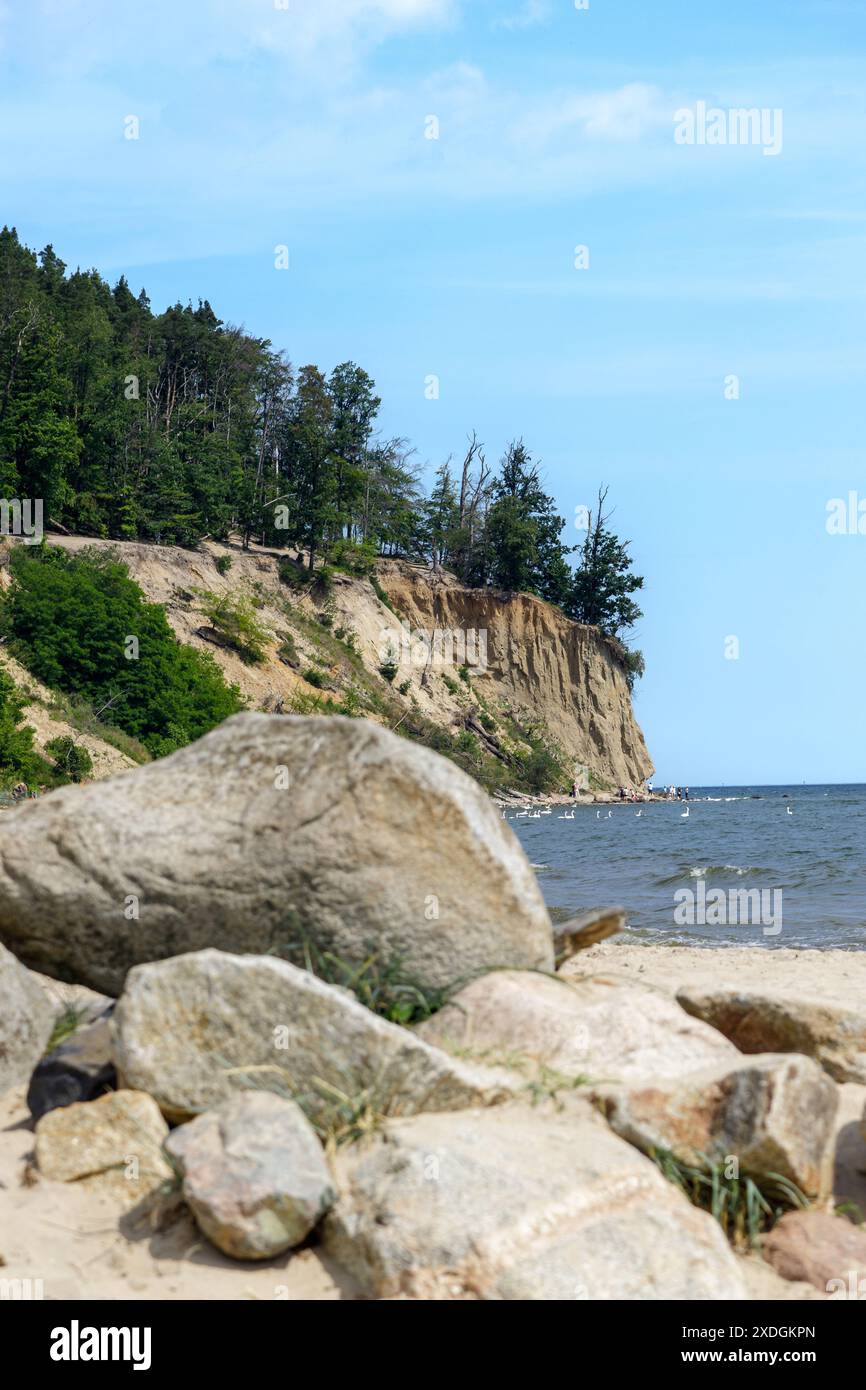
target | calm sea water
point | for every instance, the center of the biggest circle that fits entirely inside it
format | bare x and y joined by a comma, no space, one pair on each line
733,838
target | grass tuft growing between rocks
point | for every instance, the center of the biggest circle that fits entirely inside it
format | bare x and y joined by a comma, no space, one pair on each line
744,1208
66,1024
380,983
338,1116
543,1082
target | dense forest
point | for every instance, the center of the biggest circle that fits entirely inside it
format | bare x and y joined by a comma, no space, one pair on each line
174,427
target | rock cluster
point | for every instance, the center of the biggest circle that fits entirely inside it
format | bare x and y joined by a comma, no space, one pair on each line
503,1147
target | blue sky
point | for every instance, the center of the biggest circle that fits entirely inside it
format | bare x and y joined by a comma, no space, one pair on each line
305,126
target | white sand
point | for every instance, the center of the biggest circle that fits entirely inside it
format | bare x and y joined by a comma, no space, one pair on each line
838,976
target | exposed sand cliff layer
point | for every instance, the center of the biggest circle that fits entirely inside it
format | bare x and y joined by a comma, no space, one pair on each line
541,669
565,673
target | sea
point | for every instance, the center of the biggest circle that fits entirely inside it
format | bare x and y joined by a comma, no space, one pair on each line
788,861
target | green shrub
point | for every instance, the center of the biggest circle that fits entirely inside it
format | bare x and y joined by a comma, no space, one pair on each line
381,595
389,669
348,637
380,982
353,558
82,717
351,702
71,759
293,574
83,627
223,564
19,761
634,667
404,687
233,619
467,743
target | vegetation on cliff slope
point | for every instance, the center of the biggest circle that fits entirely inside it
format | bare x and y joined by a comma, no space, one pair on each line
83,627
170,427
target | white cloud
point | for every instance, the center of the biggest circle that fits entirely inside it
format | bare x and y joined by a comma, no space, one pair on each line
627,114
531,13
86,36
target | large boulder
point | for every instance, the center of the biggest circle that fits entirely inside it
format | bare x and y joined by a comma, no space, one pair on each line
191,1030
26,1021
117,1139
773,1114
268,833
601,1029
254,1174
519,1203
761,1020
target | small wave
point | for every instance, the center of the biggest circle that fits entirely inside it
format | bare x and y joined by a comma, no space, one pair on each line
712,871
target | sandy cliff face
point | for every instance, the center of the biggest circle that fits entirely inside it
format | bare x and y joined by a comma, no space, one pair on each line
538,661
541,669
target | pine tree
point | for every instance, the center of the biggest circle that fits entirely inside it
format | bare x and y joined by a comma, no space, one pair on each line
603,580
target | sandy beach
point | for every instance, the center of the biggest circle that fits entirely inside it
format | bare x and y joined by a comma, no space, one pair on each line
835,975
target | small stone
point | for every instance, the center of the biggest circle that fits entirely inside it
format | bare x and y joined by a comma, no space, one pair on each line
120,1135
254,1174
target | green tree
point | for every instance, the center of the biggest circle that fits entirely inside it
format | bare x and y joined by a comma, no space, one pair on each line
522,531
603,582
442,516
312,467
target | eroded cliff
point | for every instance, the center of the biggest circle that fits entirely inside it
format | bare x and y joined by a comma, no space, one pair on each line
494,674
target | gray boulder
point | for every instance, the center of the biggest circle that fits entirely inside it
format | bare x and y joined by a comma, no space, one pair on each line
268,833
254,1174
190,1030
519,1203
26,1021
